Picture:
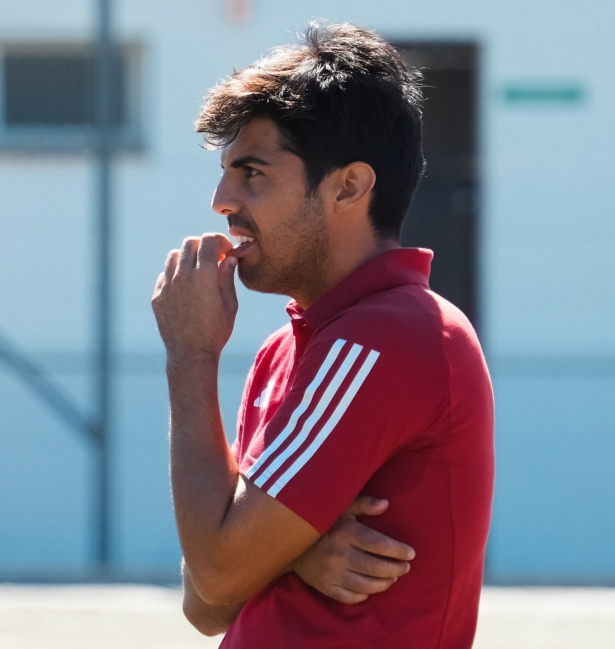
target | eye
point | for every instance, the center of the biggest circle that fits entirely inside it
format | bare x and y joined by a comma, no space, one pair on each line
251,172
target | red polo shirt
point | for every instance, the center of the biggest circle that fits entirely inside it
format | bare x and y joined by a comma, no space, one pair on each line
379,388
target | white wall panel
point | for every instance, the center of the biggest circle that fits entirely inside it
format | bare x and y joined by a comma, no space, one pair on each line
548,274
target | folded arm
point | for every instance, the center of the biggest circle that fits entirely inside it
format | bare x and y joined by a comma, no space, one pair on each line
236,539
348,564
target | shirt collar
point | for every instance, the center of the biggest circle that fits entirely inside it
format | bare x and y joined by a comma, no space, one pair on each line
397,267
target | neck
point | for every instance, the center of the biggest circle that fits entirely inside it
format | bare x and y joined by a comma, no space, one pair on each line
344,258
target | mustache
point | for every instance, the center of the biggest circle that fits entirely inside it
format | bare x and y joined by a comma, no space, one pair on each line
244,222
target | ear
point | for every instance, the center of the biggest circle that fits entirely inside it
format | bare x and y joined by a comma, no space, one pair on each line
354,185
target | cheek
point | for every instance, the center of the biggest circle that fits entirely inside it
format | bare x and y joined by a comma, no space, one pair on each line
274,205
272,215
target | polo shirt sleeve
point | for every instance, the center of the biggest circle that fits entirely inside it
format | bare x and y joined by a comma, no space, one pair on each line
350,409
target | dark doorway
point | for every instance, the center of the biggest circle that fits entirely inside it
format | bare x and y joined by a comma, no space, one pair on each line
444,215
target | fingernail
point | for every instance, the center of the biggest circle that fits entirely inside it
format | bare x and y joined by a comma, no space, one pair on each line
407,568
233,261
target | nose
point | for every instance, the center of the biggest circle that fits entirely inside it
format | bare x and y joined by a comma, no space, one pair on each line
226,200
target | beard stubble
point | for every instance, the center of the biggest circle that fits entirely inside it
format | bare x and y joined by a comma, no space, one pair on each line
297,251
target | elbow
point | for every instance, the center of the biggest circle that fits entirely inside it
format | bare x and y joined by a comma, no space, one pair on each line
214,588
201,622
220,588
223,579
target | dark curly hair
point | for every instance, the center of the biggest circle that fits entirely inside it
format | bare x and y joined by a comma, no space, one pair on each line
341,96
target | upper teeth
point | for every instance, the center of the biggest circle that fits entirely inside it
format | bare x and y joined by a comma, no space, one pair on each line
241,239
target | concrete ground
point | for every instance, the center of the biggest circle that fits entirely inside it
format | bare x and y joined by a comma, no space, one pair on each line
149,617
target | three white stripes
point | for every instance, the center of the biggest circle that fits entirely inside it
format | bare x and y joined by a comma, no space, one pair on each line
308,395
309,424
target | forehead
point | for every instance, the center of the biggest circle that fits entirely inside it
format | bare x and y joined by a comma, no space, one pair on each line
259,137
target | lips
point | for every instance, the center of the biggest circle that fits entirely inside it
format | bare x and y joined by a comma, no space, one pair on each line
244,241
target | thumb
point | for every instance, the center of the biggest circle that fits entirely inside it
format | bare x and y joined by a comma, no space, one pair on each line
226,279
367,506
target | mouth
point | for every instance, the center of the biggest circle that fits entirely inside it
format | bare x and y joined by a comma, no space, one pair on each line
243,245
241,240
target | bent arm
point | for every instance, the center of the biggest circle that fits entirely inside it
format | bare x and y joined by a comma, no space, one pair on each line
348,564
208,619
235,538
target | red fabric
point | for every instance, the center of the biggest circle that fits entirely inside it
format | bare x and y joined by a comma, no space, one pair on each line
379,388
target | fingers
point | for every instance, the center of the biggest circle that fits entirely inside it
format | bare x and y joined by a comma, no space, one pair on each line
375,566
226,273
169,265
186,259
364,585
212,249
355,588
157,290
367,506
352,561
197,251
345,596
369,540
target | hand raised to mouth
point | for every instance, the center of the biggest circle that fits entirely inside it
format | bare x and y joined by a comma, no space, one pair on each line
194,299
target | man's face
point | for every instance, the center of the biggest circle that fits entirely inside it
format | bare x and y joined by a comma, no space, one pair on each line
262,193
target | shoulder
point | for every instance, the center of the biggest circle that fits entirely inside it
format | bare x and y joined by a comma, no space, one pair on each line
410,324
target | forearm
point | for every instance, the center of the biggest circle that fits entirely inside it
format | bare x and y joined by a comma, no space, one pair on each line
208,619
204,473
235,537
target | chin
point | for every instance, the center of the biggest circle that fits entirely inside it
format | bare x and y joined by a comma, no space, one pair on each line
262,280
253,278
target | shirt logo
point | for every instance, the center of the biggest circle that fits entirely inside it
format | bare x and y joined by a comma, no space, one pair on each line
263,399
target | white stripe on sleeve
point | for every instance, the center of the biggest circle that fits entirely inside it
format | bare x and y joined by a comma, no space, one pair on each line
329,425
308,395
312,420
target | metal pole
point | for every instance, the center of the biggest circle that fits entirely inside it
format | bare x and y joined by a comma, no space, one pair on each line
35,377
104,151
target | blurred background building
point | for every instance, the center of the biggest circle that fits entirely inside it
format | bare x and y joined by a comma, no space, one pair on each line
518,204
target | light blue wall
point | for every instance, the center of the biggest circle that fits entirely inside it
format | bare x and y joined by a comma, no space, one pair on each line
547,277
44,486
553,513
47,474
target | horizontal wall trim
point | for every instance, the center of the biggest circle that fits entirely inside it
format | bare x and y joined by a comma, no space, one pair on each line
170,577
545,366
526,366
127,363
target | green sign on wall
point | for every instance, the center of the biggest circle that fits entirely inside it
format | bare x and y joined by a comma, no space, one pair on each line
544,93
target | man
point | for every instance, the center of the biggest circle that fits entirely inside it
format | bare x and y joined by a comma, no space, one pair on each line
376,388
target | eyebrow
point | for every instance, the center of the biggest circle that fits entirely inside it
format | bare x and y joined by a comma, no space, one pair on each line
246,160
